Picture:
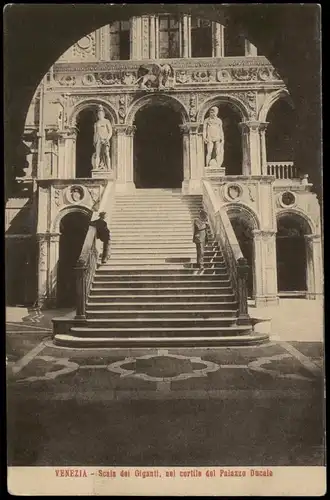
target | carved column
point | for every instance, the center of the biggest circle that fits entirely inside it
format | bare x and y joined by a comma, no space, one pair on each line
54,252
251,148
136,38
186,34
250,49
157,36
43,257
218,42
193,167
263,149
152,37
67,153
125,167
145,37
314,266
264,268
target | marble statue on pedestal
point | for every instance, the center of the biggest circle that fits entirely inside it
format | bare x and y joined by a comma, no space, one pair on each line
213,137
102,136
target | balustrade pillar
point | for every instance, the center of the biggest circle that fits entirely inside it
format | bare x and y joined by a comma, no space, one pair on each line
80,270
264,267
218,42
251,145
124,150
314,266
242,276
67,153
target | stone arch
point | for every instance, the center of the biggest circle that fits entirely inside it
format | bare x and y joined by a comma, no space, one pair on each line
89,103
65,211
160,99
237,104
301,217
271,99
245,212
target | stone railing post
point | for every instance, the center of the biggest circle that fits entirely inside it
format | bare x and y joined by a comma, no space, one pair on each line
80,269
242,276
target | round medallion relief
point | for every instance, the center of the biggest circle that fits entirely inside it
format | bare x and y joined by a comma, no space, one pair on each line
287,199
233,192
84,43
75,194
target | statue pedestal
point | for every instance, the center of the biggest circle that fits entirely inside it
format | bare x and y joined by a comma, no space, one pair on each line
102,174
214,172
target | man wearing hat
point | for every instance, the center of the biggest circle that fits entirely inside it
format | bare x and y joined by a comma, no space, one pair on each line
200,237
102,136
103,234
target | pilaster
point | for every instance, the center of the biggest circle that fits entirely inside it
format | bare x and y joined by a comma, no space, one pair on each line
264,268
43,266
193,168
314,266
125,168
263,149
251,145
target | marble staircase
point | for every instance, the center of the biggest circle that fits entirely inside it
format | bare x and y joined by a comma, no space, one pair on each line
150,292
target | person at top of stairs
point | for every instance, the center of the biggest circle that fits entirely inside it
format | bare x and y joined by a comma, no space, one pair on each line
200,236
103,234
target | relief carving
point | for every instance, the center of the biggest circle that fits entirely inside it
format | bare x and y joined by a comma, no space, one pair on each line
155,76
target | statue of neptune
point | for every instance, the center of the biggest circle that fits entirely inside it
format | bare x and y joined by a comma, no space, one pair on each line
213,137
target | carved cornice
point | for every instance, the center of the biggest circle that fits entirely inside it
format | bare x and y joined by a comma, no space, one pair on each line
263,233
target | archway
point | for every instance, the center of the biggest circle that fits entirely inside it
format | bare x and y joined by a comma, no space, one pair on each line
280,132
73,229
244,235
291,254
84,145
158,147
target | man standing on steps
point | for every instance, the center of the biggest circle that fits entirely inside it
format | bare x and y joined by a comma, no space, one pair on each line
103,234
200,237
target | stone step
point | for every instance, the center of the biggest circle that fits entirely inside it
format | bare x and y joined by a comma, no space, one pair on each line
160,322
161,253
209,340
160,314
97,290
129,278
166,270
154,265
101,296
192,331
160,284
170,307
127,260
140,245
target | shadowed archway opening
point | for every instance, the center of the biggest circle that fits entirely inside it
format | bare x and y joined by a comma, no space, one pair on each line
73,230
280,132
85,147
158,148
291,254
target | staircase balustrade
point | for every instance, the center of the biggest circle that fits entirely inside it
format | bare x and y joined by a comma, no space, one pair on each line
87,261
282,169
226,238
85,269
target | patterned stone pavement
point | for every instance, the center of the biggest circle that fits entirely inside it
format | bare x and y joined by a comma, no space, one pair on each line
226,406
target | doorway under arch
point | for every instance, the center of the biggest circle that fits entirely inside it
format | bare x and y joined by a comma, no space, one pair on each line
73,230
158,156
291,255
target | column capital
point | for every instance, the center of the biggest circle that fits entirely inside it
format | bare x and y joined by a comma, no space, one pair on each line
66,133
124,129
263,233
41,237
312,237
191,128
252,125
54,237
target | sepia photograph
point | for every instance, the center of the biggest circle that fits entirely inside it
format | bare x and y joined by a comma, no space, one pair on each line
164,249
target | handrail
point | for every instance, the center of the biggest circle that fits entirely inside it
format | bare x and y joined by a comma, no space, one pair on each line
87,261
226,238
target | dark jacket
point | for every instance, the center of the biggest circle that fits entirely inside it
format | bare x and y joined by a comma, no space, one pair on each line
200,231
102,230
